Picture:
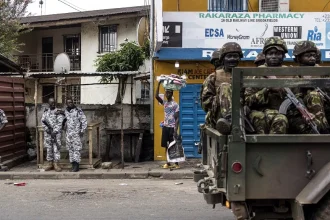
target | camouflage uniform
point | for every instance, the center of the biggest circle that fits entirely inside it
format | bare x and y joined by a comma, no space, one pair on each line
216,90
260,59
264,103
54,119
76,126
318,57
312,99
3,119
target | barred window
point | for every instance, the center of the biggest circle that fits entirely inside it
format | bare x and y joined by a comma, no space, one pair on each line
225,5
107,38
74,92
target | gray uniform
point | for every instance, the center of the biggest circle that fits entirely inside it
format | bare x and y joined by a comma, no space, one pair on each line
3,119
54,119
76,126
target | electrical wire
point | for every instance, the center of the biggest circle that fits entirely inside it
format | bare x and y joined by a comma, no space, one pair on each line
70,5
326,5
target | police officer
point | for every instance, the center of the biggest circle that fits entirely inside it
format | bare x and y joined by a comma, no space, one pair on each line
305,53
3,119
264,102
260,59
52,124
217,89
76,124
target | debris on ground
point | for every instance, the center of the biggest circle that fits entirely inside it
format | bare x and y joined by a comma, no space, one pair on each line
106,165
178,183
20,184
123,184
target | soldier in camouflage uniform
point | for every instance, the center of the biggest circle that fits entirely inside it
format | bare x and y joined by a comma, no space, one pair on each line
215,58
260,59
3,119
305,53
76,123
318,57
264,103
216,90
52,124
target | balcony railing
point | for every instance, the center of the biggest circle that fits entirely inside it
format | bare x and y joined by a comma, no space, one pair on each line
45,62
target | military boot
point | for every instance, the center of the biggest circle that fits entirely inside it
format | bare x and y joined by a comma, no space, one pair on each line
73,166
57,167
224,125
76,167
49,166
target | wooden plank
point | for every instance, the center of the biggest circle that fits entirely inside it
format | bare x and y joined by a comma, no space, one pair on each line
138,148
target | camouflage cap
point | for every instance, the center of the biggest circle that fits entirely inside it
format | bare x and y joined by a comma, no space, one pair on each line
303,47
275,42
231,47
260,57
215,55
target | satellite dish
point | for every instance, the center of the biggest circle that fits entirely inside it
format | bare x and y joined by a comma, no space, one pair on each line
62,63
142,31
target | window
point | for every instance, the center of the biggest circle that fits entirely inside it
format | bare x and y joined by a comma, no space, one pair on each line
226,5
108,38
74,93
72,48
47,92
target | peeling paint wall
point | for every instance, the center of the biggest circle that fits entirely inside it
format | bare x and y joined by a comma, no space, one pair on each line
109,115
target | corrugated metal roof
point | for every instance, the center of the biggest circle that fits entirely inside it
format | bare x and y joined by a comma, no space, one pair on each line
84,14
7,65
79,74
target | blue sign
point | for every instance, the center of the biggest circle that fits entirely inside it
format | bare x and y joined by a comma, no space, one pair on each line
315,35
214,32
327,37
204,54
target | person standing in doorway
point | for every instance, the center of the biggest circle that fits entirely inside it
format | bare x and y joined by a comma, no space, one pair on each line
3,119
52,124
76,126
171,121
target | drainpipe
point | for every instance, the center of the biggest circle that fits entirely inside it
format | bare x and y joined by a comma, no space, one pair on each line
152,39
245,5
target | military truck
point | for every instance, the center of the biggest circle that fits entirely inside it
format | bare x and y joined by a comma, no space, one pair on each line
267,176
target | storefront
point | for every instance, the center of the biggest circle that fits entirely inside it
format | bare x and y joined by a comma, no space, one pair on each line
189,39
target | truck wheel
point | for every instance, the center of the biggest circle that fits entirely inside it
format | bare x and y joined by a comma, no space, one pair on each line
322,211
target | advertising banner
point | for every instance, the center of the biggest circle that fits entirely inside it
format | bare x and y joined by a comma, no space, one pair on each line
205,31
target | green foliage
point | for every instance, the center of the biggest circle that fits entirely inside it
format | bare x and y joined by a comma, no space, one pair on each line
10,28
128,58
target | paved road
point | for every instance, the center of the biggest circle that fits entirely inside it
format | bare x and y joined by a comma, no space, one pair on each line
106,199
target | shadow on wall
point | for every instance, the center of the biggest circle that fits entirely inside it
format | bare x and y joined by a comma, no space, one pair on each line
109,115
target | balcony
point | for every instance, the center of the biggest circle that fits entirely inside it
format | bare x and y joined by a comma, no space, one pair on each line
45,62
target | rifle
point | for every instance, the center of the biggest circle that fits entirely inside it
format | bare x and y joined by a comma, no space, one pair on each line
291,99
48,126
323,94
248,126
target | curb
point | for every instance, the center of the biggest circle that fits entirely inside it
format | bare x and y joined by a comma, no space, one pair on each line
93,175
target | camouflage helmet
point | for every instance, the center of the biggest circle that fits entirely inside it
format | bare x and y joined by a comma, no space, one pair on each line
276,42
318,55
260,57
303,47
215,55
230,47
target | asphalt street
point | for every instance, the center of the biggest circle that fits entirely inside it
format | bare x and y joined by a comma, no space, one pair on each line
105,199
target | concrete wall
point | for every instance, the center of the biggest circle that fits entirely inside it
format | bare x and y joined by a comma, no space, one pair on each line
91,94
109,115
126,29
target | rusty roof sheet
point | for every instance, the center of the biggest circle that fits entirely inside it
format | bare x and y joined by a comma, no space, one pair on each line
83,14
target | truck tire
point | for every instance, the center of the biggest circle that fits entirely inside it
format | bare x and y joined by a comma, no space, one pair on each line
322,211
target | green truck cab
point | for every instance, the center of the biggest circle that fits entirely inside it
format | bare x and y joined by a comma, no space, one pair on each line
267,176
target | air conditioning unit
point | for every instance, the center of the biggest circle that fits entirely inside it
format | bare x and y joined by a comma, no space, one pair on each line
274,5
